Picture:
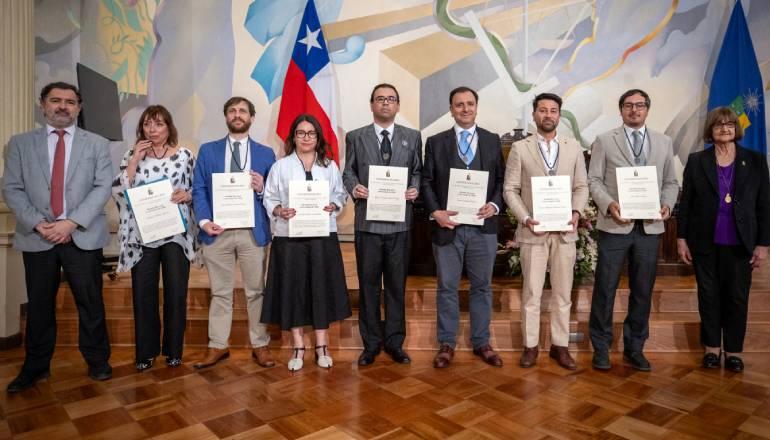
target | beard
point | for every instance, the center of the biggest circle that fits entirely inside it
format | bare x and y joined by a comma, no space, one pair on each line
244,128
546,126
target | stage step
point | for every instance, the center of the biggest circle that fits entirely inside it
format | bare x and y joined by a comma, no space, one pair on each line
503,299
669,331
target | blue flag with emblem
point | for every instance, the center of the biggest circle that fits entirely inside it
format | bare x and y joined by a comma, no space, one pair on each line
737,82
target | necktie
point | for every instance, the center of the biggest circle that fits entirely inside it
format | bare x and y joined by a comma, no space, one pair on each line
638,148
235,159
466,153
57,177
385,148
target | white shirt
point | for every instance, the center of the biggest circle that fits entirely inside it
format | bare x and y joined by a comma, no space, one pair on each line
471,136
630,139
291,168
549,151
53,138
244,160
378,129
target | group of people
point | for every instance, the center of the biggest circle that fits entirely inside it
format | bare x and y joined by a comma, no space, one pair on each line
58,179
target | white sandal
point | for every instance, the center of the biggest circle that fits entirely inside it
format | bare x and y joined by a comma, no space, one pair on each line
323,360
296,362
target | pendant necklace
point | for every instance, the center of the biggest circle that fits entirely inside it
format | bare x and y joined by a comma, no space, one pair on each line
155,155
552,166
728,183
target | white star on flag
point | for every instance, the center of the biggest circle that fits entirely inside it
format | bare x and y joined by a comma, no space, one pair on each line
311,39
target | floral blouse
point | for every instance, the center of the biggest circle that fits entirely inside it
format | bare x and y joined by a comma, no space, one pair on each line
178,168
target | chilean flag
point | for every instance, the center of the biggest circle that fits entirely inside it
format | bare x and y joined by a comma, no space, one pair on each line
310,85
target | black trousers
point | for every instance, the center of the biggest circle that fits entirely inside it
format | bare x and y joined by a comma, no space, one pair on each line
724,280
145,278
42,271
641,250
382,261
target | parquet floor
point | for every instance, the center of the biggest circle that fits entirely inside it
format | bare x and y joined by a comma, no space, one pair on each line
238,399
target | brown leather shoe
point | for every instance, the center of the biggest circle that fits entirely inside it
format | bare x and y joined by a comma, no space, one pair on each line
444,356
488,355
213,355
529,357
562,356
263,357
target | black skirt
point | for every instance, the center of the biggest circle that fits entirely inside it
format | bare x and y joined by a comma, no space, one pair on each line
305,283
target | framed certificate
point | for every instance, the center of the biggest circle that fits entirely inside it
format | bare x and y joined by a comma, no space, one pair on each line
156,215
308,198
467,194
233,200
552,203
387,186
638,194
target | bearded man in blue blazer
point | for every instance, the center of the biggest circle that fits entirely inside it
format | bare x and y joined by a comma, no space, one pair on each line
234,153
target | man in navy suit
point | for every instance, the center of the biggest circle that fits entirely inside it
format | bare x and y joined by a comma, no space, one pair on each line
235,153
464,146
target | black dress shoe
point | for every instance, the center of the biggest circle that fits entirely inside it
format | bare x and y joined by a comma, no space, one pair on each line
366,358
398,355
100,373
601,360
637,360
173,362
711,360
26,380
734,364
144,364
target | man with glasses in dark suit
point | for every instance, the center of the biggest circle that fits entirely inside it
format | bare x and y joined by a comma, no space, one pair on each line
382,247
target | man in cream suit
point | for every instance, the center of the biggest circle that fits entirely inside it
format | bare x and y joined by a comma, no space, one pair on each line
57,181
632,144
382,248
545,154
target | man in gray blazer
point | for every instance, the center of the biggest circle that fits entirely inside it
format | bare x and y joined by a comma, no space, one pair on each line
57,182
632,144
382,248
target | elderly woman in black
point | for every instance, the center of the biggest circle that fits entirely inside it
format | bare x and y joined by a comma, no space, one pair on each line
723,232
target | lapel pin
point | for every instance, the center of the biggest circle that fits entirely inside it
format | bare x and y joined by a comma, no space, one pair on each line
743,163
403,143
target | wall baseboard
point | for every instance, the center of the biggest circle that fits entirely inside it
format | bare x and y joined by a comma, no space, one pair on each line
10,342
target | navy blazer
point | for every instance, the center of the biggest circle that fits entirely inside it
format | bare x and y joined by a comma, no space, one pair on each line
439,149
211,159
699,204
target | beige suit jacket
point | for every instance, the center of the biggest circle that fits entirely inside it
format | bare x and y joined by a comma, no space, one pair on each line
525,162
610,151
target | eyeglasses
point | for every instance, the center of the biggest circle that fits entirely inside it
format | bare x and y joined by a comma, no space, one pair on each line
383,99
636,105
306,134
727,125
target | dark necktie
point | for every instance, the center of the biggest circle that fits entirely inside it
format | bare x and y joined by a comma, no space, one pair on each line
235,159
385,149
57,177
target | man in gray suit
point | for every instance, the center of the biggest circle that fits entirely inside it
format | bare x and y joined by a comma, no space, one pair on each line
382,248
632,144
57,182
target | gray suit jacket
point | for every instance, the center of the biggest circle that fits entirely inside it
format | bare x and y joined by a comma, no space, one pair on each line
610,151
27,188
524,162
362,150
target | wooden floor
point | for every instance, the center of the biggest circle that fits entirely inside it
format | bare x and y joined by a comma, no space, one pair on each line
238,399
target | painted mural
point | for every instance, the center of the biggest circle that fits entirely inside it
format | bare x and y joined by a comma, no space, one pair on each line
192,55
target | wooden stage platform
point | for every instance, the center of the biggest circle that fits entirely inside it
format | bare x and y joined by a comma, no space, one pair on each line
674,323
237,399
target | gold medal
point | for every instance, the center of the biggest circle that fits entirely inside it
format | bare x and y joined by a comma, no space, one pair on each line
728,198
